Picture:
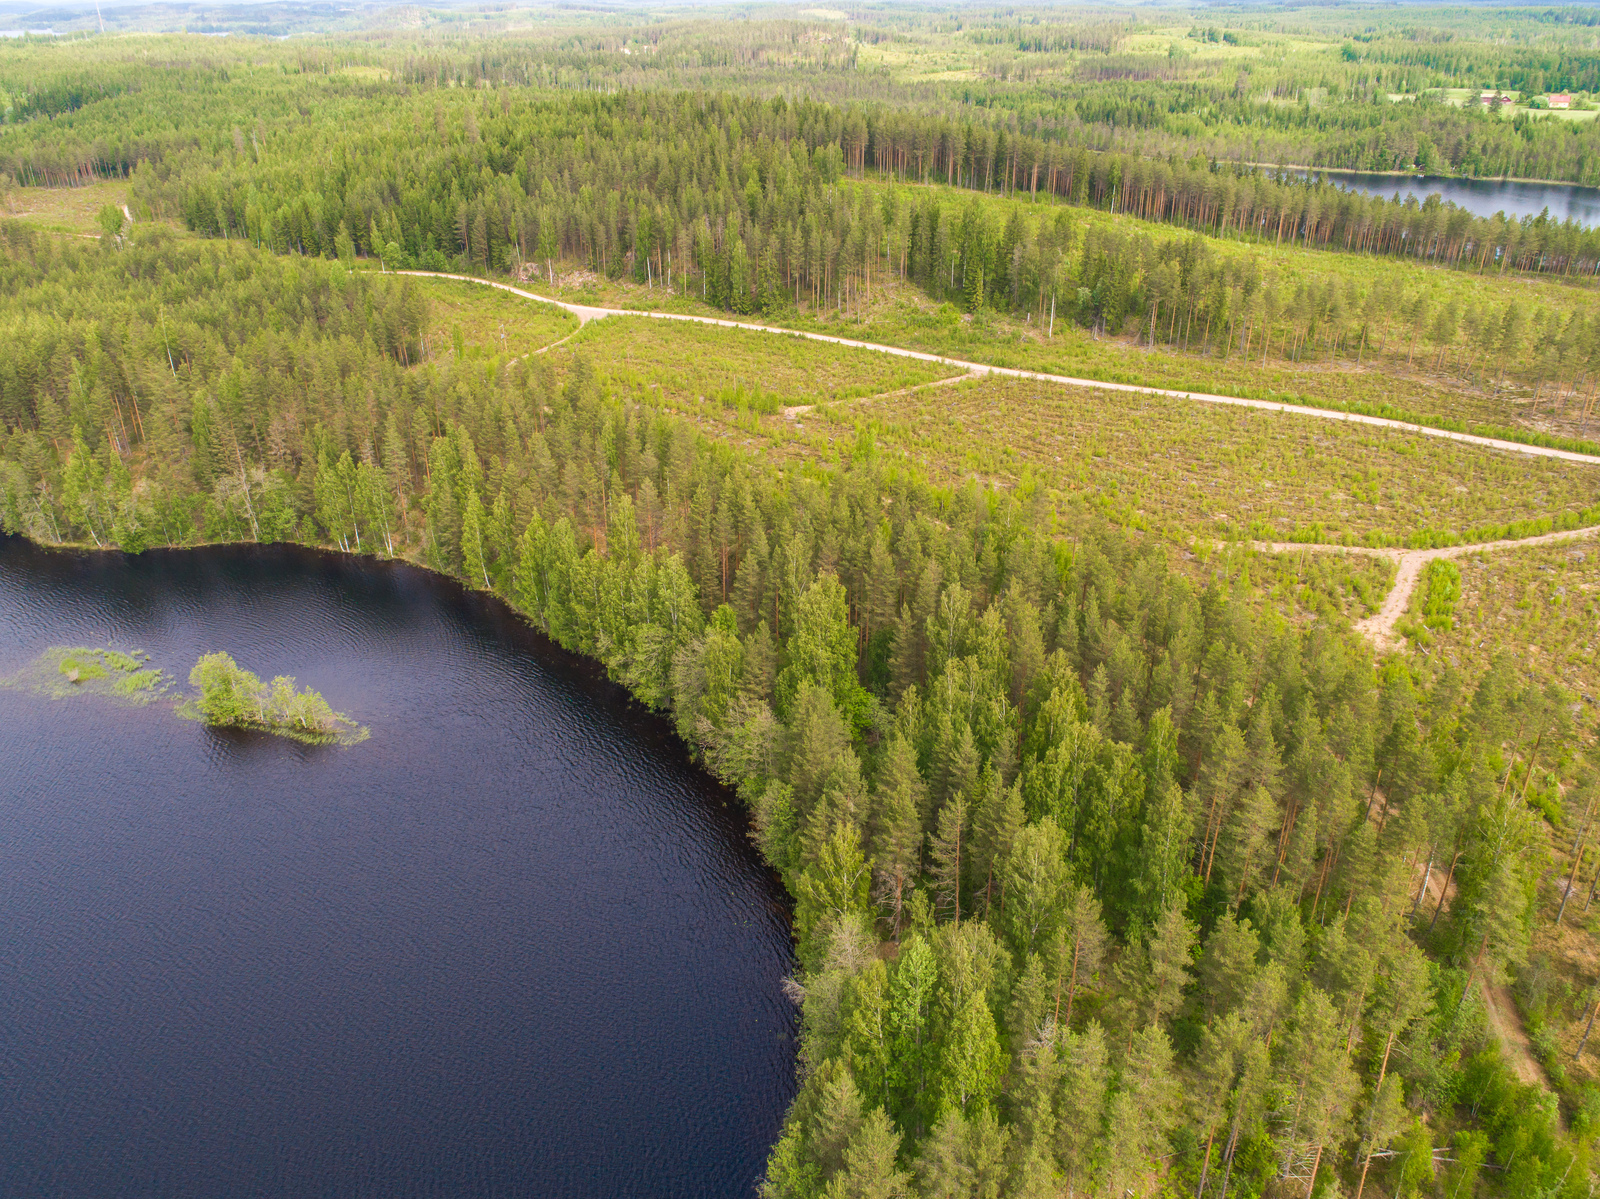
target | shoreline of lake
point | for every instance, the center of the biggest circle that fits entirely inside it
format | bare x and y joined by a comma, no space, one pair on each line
1484,197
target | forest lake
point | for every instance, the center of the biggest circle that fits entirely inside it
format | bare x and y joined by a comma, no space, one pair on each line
515,944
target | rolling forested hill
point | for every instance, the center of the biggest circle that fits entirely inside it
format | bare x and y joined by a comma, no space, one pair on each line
1134,849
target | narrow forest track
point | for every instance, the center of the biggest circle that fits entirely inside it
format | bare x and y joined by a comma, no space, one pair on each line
1379,627
1513,1038
797,410
586,313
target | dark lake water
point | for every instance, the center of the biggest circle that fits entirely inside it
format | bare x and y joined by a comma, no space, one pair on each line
512,945
1485,197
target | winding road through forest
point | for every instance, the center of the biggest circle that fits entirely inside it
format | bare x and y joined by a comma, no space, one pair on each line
1378,628
586,313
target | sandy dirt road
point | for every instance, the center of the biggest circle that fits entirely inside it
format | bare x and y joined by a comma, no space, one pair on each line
1379,627
586,313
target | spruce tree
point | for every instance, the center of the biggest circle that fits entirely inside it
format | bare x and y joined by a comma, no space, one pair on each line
1081,1103
473,561
945,849
895,834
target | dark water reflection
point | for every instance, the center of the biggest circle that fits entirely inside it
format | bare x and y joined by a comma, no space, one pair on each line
512,945
1482,197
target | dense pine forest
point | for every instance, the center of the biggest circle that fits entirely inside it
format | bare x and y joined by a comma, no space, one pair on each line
1122,863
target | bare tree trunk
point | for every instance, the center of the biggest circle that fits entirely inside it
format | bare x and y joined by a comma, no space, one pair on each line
1587,1028
1427,876
1446,887
1567,894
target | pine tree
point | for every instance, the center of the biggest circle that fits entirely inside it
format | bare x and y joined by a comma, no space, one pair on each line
1216,1069
1228,965
822,650
905,656
1032,1102
1028,1018
1223,770
996,824
965,1156
825,1118
971,1063
868,1032
373,507
831,891
957,768
1383,1120
817,739
1246,841
1034,880
760,665
843,801
942,1168
1161,870
911,998
396,463
1079,949
869,1170
1153,978
1027,648
1316,1083
1142,1112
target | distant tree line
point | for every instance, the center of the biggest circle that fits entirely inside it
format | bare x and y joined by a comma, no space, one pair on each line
756,206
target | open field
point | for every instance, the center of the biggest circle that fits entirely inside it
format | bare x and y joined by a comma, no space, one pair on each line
1166,464
683,364
64,209
490,322
1339,588
1541,604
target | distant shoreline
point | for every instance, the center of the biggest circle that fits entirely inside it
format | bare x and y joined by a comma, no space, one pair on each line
1413,175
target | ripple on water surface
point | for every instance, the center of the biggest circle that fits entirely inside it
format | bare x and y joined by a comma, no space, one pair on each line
514,944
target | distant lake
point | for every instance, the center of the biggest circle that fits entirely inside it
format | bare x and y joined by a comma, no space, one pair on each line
1485,197
515,944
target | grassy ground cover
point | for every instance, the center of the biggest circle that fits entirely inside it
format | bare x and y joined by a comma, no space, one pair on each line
1340,588
1183,468
483,322
64,209
902,315
1541,603
61,671
686,365
1362,381
1389,374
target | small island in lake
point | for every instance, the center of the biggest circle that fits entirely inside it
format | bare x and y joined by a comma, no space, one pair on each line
64,670
228,695
232,697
